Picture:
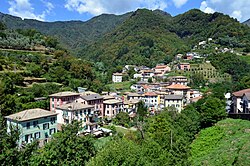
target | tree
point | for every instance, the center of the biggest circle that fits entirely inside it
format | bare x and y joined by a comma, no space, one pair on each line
66,148
122,118
141,114
211,110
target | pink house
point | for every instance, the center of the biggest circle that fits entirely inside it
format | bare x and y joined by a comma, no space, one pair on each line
160,70
58,99
184,66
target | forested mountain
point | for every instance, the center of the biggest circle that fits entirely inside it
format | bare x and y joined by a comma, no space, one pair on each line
194,26
71,34
140,37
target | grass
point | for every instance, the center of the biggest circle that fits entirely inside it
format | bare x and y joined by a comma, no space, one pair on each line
246,59
101,142
120,86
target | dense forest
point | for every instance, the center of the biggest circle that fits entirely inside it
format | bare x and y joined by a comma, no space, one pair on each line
143,35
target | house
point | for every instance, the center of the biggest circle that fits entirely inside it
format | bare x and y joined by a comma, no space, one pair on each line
151,100
160,70
61,98
182,80
184,66
146,74
134,96
130,106
137,88
237,102
246,103
112,107
33,124
117,77
85,114
93,99
178,89
175,101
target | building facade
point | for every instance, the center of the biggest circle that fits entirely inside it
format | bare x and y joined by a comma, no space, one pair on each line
33,124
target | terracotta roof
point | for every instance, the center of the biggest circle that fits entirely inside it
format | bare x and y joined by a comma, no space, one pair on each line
161,66
107,97
247,95
177,86
74,106
31,114
150,94
64,94
241,92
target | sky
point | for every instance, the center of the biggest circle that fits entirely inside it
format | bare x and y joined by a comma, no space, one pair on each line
65,10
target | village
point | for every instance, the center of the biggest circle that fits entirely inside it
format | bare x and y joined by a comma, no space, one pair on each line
160,87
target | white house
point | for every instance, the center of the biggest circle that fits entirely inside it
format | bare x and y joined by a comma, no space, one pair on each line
117,77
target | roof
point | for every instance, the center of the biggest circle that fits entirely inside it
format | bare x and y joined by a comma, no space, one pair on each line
161,66
64,94
241,92
177,86
134,94
30,114
195,99
132,101
184,64
247,95
92,97
173,97
112,101
117,74
107,97
150,94
74,106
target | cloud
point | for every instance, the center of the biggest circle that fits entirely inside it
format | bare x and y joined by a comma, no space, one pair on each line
96,7
24,9
179,3
237,9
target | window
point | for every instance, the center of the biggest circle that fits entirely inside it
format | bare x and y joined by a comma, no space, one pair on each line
53,120
45,126
35,123
84,119
76,113
107,112
107,106
52,131
52,98
53,106
81,112
37,135
28,125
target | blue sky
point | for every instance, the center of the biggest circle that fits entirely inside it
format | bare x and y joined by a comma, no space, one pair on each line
63,10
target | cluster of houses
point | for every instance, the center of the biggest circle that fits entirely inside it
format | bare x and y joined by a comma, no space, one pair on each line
143,73
91,108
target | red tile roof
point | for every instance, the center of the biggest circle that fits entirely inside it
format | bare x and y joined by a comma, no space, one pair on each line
177,86
241,92
150,94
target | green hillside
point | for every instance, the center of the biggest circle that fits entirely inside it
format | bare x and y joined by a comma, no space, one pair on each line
71,34
194,26
226,143
142,39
